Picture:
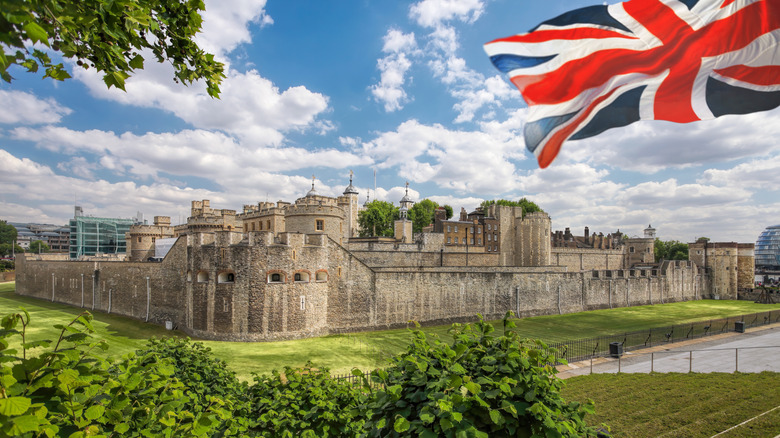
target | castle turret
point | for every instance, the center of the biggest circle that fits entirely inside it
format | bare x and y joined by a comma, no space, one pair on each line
349,202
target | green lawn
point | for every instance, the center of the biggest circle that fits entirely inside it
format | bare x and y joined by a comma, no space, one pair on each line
340,353
681,405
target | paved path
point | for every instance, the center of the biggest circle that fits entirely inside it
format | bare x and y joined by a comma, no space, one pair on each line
755,351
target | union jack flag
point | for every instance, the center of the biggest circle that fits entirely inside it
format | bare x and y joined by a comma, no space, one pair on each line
602,67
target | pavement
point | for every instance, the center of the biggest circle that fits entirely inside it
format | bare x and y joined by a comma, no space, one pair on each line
756,350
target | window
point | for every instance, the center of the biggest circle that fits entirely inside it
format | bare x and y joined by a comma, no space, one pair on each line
449,228
225,307
203,277
489,237
275,277
139,240
226,277
456,241
479,241
449,240
268,224
490,227
472,241
301,277
630,249
189,275
456,228
321,276
320,225
303,302
471,230
154,239
479,230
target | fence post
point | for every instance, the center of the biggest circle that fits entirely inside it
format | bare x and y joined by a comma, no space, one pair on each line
690,360
652,361
736,360
619,361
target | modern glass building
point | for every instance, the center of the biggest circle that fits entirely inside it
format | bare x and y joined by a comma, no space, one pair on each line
97,235
768,249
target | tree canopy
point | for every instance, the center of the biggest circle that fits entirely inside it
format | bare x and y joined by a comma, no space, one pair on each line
670,250
37,246
7,232
113,36
377,219
528,206
423,213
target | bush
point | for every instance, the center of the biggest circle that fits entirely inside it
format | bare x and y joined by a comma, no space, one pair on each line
480,386
306,402
69,391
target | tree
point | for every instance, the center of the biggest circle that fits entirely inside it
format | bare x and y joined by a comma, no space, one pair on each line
527,206
422,214
113,36
377,219
670,250
449,211
37,246
7,232
8,249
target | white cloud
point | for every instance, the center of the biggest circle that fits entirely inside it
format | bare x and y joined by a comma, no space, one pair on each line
393,67
431,13
226,24
26,109
761,173
198,153
250,106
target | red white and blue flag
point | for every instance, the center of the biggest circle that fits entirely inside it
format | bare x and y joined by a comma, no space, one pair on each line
602,67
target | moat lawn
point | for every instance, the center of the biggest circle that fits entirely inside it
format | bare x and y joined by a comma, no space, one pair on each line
367,350
681,405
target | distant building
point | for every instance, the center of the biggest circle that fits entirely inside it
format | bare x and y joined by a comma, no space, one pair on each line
56,236
768,255
90,236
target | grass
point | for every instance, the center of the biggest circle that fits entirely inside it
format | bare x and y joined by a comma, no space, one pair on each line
366,350
681,405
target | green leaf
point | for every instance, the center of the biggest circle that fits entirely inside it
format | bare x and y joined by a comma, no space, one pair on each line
24,424
94,412
137,63
495,416
12,406
36,33
401,425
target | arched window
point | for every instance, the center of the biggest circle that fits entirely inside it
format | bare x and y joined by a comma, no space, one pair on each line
226,277
189,275
301,277
203,277
321,276
275,277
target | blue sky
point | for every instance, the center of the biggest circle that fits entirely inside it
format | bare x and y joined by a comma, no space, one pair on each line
403,88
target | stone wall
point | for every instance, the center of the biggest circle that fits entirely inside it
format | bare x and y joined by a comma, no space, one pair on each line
585,259
261,287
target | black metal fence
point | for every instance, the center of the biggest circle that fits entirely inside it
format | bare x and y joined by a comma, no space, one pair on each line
583,349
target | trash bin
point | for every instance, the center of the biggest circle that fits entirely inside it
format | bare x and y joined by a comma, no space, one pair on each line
739,326
616,349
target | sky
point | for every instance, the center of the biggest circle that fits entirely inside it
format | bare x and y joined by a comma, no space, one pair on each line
400,88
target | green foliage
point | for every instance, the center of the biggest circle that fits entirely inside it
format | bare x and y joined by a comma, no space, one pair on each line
208,382
422,214
448,209
377,219
8,249
7,233
6,265
479,386
68,390
39,246
306,402
670,250
527,206
112,36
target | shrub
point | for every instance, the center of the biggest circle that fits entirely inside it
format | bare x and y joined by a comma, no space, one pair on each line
479,386
69,391
306,402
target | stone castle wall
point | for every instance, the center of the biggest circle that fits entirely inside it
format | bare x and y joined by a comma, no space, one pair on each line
586,259
220,286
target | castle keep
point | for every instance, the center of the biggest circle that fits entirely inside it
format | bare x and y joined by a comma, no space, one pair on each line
295,270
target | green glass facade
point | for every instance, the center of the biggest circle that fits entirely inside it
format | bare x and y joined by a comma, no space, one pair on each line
96,235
